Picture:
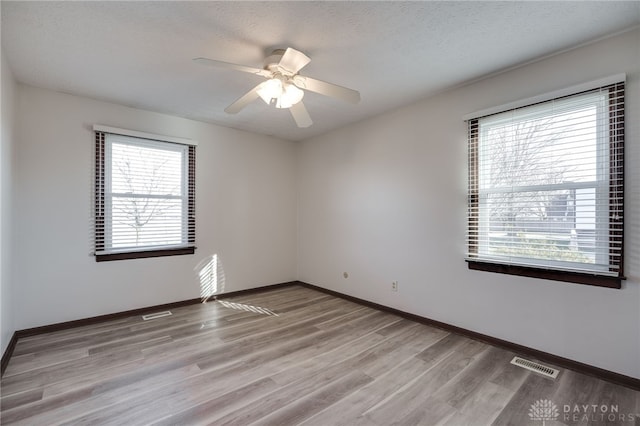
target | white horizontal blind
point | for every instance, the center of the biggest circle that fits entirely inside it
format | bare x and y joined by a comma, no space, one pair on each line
546,184
145,194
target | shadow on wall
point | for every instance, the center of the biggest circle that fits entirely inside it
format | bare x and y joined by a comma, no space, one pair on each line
632,217
211,276
632,251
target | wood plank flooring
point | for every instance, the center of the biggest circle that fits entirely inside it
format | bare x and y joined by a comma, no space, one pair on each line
289,356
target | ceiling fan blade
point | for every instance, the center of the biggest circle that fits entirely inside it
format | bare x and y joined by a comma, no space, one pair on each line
245,100
300,115
327,89
293,60
243,68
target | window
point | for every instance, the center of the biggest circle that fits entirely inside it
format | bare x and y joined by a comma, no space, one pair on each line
144,195
546,186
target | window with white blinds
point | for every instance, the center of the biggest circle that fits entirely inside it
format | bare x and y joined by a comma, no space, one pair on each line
546,189
145,197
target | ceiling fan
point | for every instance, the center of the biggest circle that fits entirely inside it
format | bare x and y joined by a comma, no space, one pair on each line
284,87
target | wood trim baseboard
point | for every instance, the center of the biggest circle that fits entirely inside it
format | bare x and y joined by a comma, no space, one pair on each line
140,311
102,318
117,315
580,367
252,290
570,364
8,352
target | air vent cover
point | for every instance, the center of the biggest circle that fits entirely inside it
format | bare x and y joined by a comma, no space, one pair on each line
156,315
534,366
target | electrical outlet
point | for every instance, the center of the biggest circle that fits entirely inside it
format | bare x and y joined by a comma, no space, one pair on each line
394,286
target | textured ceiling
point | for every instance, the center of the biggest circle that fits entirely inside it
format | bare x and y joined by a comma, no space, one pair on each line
395,53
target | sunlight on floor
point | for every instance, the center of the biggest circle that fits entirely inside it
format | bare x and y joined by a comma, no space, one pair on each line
248,308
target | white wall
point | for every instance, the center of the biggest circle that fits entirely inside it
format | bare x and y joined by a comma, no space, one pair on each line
385,200
245,212
6,179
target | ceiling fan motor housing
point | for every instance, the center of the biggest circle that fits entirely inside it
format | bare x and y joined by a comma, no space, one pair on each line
271,62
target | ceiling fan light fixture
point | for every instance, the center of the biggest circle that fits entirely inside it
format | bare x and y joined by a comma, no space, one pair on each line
284,87
290,96
270,89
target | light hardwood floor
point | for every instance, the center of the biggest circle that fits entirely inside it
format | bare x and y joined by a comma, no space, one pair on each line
285,357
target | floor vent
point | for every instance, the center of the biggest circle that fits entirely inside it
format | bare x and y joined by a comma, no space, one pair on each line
534,366
156,315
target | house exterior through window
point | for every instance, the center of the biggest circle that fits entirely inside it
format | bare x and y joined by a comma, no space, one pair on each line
144,196
546,187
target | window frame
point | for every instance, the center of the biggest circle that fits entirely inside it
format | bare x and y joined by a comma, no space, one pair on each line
103,195
614,166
